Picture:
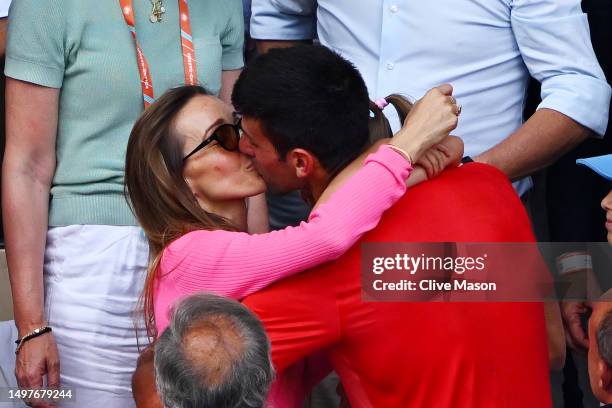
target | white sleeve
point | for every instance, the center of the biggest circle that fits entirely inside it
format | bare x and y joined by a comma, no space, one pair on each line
554,39
4,8
283,19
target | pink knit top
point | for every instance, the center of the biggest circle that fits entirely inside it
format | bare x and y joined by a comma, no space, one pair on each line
236,264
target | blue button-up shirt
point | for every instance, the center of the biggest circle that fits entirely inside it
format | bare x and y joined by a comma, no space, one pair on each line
485,48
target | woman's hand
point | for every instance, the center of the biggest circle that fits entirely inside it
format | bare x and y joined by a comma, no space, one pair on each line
433,160
431,119
447,153
38,357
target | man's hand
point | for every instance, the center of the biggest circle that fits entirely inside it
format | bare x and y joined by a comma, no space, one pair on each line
572,313
143,381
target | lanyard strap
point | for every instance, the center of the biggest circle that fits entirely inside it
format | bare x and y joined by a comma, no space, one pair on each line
189,60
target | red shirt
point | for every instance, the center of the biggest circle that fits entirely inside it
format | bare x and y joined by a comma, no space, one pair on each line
419,354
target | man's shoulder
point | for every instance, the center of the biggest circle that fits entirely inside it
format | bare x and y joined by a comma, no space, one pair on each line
474,202
476,177
462,185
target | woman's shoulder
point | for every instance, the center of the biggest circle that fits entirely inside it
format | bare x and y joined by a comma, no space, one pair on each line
191,242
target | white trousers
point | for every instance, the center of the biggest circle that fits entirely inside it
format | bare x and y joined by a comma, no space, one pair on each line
94,276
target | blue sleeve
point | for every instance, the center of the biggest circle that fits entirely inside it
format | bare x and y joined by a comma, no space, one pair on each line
283,19
554,39
232,39
36,46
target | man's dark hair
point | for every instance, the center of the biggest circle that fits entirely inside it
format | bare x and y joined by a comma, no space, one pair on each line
604,339
214,353
307,97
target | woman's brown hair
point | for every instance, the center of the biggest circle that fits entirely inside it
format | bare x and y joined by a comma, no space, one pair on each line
156,190
379,124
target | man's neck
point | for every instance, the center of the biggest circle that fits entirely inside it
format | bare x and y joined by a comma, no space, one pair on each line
313,192
315,186
320,188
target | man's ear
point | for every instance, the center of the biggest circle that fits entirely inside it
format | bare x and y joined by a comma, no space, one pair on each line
303,162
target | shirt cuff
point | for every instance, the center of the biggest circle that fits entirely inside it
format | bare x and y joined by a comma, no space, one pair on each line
33,72
583,98
266,26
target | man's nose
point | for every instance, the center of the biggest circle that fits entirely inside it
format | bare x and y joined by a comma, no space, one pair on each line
606,203
245,147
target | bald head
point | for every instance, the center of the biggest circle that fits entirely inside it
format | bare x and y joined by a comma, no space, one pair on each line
214,353
213,347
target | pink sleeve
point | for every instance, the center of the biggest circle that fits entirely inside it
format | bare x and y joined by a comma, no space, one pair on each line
236,264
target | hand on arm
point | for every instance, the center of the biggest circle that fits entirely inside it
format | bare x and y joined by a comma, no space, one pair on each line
447,153
239,264
27,172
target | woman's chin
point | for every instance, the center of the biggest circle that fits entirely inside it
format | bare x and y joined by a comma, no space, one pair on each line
261,188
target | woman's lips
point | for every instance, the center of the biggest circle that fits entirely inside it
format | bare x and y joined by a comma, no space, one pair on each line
609,224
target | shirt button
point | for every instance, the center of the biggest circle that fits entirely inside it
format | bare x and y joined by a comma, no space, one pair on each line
394,8
390,66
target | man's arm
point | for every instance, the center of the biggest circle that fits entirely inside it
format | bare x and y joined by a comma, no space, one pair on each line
264,46
3,28
4,8
545,137
553,38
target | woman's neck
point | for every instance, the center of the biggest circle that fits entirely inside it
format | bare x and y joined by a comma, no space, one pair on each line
234,210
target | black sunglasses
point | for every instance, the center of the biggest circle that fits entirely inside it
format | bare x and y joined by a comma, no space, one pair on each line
227,135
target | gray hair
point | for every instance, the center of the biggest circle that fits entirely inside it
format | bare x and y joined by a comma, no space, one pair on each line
214,353
604,339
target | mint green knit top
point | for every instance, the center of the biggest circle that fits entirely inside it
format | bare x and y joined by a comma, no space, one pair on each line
84,48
